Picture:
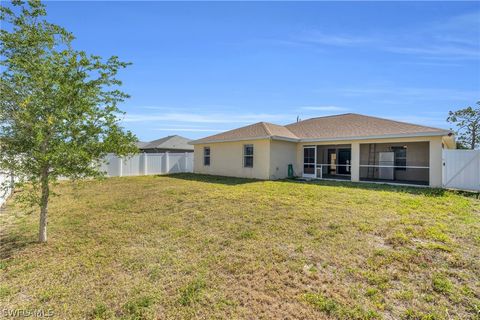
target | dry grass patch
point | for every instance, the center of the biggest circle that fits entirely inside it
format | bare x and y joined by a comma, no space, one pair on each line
192,246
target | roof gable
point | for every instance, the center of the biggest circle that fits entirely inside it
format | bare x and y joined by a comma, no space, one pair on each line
259,130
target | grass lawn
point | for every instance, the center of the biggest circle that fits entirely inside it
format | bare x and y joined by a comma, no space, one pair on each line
192,246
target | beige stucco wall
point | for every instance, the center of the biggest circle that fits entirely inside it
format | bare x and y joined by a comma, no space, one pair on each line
282,153
226,159
435,155
436,162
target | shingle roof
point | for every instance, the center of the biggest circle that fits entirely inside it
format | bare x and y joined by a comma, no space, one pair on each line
353,125
169,142
274,130
254,131
349,126
141,144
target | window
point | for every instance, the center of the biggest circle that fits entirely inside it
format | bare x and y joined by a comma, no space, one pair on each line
400,158
206,156
248,155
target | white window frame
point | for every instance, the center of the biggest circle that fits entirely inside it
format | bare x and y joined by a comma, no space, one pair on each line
245,156
205,156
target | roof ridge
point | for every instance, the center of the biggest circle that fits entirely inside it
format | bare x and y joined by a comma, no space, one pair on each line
329,116
269,131
368,116
264,124
402,122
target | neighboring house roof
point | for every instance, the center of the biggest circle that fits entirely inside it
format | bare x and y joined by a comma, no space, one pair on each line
343,126
170,142
141,144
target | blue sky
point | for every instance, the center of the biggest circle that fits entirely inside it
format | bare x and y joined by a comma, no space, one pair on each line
204,67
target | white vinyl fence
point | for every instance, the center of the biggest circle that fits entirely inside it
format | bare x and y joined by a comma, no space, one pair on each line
5,180
148,163
461,169
137,165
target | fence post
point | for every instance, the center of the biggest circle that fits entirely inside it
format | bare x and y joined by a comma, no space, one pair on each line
444,168
186,161
120,166
145,164
167,163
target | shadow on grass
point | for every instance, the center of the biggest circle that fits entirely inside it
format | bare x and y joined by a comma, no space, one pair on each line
430,192
426,191
230,181
417,190
12,243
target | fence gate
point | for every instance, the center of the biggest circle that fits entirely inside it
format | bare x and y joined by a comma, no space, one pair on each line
461,169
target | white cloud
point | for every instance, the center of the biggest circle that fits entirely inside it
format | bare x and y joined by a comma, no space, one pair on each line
187,117
334,40
199,108
455,38
188,130
393,91
462,22
440,50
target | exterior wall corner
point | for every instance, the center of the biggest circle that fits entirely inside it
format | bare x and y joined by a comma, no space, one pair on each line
355,161
436,163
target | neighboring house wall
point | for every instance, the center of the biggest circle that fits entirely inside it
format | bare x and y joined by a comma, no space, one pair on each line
160,150
226,159
282,153
435,155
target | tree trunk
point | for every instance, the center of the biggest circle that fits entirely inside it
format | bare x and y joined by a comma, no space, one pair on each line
474,139
42,234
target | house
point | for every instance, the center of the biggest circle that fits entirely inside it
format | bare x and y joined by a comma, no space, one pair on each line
172,144
141,144
349,146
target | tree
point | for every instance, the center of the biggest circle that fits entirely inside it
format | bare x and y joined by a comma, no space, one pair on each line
467,121
460,146
59,114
